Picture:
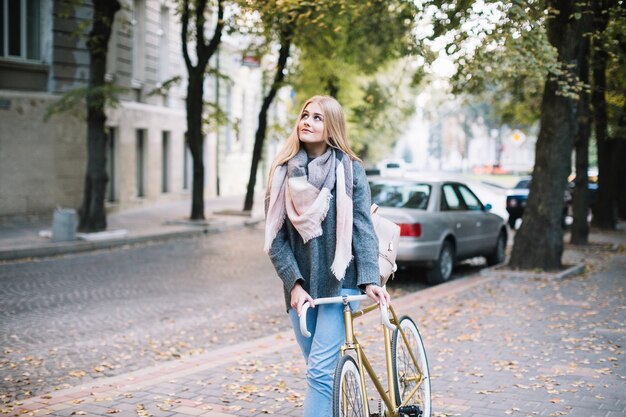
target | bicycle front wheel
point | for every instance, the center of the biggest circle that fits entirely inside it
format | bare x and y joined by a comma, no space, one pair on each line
410,368
348,400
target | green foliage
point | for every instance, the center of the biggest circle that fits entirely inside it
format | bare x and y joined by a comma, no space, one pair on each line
75,101
343,48
379,116
503,54
613,41
165,86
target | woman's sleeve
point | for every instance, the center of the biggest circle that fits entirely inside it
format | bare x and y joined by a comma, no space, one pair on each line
284,260
364,239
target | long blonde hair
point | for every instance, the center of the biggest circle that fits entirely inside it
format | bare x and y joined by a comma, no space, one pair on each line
335,132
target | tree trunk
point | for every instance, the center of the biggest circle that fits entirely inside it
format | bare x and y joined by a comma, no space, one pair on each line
259,137
332,86
195,91
539,241
92,213
619,163
580,200
195,106
604,208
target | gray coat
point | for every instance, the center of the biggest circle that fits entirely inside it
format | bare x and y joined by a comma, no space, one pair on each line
310,263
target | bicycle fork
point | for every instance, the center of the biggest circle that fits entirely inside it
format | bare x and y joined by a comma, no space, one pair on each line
363,362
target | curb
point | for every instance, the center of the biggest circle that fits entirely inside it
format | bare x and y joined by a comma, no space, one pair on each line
504,273
64,248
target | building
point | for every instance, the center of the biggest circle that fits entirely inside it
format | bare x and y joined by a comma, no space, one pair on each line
43,54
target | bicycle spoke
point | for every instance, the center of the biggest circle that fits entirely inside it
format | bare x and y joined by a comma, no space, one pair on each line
410,367
348,395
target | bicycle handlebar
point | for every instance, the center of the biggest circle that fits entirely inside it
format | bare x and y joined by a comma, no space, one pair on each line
384,313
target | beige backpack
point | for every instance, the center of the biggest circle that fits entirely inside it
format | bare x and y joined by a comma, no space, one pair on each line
388,234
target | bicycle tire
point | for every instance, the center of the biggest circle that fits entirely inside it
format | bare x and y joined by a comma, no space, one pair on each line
406,374
347,380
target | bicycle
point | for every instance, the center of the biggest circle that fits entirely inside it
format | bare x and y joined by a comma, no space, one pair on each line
408,380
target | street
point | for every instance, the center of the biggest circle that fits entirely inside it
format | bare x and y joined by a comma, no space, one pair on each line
70,319
85,316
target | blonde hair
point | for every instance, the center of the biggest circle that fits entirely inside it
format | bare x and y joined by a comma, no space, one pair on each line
335,132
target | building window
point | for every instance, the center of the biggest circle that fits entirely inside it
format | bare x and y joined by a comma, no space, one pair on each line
165,162
110,165
20,29
140,162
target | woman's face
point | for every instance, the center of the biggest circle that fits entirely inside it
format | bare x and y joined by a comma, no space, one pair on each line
311,128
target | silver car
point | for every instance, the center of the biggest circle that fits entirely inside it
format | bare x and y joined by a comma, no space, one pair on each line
441,222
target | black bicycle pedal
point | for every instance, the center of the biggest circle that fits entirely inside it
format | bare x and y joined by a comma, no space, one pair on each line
410,411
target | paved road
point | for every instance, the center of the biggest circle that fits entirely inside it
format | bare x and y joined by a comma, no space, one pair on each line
82,316
70,319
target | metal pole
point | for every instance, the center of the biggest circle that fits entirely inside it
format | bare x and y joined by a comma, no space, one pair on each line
217,129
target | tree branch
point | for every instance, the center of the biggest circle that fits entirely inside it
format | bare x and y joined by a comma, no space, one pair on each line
209,50
185,29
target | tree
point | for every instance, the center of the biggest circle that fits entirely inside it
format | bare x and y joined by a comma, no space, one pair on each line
277,22
333,36
539,241
580,200
613,41
195,13
92,213
604,210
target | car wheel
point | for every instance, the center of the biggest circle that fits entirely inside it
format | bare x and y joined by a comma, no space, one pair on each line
499,253
442,268
512,221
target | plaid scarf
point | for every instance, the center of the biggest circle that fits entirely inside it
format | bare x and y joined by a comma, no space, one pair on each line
305,199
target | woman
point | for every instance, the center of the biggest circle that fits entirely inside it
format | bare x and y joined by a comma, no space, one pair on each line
320,237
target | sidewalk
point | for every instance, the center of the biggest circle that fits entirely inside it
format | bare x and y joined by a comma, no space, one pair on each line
523,345
160,222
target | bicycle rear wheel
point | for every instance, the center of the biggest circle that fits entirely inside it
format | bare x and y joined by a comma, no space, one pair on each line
348,398
410,373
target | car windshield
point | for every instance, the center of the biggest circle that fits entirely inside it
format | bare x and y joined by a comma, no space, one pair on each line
402,195
523,184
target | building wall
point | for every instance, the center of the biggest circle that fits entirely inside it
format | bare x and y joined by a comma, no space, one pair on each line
42,164
144,52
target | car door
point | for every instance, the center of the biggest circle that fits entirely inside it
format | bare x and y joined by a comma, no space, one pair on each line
456,216
482,228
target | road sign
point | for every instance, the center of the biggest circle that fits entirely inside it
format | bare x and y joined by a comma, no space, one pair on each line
518,137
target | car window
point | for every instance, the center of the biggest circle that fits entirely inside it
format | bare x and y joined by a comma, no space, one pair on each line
402,195
450,200
523,184
471,201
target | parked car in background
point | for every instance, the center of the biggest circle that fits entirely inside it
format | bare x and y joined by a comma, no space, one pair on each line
517,198
391,167
441,222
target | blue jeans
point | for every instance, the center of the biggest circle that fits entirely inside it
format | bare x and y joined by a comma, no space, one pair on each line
321,352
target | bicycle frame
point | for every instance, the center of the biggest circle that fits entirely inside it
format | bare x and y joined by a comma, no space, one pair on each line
363,363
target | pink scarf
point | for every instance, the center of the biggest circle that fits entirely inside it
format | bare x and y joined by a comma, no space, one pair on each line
302,191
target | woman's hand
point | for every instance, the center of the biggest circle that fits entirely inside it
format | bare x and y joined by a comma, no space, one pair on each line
298,297
378,294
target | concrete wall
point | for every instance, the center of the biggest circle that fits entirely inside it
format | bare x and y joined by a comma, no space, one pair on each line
154,120
42,164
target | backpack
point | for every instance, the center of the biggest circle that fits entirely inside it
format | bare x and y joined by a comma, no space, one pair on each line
388,234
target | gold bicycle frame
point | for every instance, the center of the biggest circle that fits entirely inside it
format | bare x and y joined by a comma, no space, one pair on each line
388,397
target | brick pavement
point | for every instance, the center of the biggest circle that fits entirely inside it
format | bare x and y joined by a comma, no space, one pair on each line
524,345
